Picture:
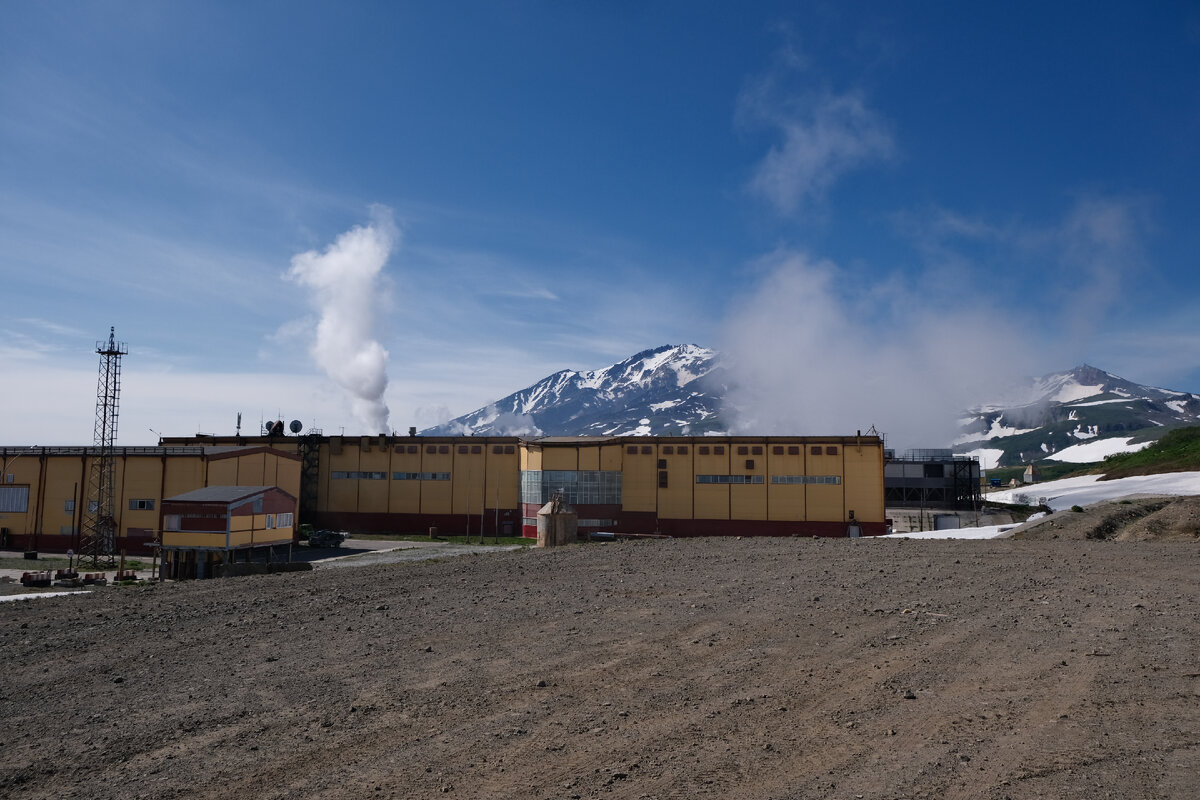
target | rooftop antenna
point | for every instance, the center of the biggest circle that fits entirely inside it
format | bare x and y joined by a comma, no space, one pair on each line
239,424
97,540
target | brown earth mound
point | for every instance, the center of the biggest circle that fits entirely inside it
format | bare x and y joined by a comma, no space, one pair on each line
1141,519
685,668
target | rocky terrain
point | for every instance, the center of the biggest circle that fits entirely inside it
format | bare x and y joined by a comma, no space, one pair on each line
1134,519
755,668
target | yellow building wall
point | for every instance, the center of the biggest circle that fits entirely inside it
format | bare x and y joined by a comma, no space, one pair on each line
826,502
405,495
785,502
469,478
437,496
531,458
675,501
564,458
342,493
503,480
65,481
639,477
192,539
863,482
138,478
748,501
184,474
372,493
588,457
611,456
222,472
711,501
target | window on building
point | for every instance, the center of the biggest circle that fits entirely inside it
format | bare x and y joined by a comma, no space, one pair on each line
631,450
509,449
476,449
719,450
647,450
831,451
668,450
431,449
729,479
662,463
270,521
171,522
93,506
777,450
662,479
69,506
816,450
749,463
806,479
462,449
683,450
497,449
444,449
702,450
14,499
258,505
794,450
743,451
141,505
756,451
413,449
284,520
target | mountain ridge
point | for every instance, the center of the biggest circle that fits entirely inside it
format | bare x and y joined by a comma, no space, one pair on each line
681,390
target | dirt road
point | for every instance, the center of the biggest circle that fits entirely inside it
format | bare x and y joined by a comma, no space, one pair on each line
787,668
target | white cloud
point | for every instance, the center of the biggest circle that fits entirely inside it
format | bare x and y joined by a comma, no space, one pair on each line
822,138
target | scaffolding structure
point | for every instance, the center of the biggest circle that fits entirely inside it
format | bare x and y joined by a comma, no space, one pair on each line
97,538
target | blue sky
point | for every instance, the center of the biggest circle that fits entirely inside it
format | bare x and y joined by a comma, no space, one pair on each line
565,184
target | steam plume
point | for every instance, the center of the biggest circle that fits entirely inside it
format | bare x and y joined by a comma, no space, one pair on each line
811,351
346,285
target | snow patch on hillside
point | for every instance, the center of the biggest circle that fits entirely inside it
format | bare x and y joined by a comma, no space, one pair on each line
1096,451
1087,489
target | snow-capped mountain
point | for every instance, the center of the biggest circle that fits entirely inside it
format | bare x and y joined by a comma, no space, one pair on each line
669,389
1080,416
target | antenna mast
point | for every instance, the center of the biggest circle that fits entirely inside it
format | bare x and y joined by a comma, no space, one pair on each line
99,534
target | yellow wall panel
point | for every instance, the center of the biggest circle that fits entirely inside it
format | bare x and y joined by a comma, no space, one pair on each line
589,457
639,478
675,501
469,479
560,458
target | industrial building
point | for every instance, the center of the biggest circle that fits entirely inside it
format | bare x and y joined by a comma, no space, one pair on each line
932,478
43,490
679,485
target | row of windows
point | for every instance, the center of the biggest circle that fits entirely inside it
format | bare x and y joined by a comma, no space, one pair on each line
817,479
775,479
420,476
463,449
396,476
729,479
742,450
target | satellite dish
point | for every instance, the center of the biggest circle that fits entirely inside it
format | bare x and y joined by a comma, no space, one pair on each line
296,426
267,427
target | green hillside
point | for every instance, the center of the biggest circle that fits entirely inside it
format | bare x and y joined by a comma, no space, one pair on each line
1177,450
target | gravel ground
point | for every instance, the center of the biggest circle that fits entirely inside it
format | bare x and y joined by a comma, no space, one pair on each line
756,668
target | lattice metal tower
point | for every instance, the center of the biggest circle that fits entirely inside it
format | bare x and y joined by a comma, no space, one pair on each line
98,538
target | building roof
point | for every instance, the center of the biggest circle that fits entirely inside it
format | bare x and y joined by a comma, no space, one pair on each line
220,494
